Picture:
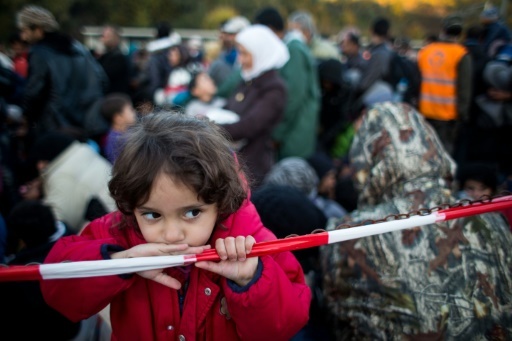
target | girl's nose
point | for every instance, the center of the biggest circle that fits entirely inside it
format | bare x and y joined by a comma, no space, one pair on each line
173,233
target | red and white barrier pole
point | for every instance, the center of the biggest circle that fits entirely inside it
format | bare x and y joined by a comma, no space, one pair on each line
130,265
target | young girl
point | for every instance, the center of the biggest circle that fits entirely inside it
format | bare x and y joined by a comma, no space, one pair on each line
179,189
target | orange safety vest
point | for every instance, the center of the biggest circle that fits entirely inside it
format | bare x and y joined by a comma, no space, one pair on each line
438,65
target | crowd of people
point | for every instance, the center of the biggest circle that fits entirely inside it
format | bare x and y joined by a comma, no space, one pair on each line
182,145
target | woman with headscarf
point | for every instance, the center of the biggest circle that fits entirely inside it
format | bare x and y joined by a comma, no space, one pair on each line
260,99
451,280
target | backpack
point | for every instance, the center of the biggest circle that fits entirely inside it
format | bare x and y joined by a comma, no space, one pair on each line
402,68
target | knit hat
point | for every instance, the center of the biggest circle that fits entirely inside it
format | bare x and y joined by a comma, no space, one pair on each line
321,163
295,172
498,75
484,173
33,222
37,16
285,211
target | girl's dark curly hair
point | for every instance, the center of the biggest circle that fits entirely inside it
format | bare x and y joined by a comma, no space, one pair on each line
192,151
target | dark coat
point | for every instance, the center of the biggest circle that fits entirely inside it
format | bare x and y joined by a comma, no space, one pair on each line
64,82
117,68
260,104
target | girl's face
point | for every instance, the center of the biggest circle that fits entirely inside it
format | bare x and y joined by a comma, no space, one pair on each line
174,215
244,58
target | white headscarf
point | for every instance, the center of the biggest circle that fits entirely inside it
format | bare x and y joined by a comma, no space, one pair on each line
267,50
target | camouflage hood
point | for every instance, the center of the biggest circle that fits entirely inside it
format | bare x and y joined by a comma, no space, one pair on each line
394,151
446,281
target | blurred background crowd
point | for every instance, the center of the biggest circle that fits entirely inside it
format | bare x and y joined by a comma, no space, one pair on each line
356,125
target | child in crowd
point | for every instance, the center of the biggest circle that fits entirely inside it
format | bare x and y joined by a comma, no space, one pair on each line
175,91
477,180
118,110
204,103
179,189
480,181
202,90
326,171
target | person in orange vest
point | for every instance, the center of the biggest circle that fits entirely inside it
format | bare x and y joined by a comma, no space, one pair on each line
445,93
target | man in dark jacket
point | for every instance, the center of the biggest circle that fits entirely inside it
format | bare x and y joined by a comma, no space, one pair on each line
64,80
378,66
114,62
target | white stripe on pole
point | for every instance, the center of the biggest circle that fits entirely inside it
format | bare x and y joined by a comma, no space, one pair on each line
336,236
109,267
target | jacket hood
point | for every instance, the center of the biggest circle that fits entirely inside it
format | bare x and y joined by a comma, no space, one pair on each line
395,147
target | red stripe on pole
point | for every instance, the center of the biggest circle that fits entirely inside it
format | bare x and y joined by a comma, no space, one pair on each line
20,273
471,210
273,246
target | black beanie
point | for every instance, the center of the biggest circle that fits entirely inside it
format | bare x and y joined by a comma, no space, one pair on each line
285,210
270,17
484,173
321,163
33,222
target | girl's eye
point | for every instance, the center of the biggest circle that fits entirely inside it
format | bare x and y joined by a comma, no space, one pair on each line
191,214
151,215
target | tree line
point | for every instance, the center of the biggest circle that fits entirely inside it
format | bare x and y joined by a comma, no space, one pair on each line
412,18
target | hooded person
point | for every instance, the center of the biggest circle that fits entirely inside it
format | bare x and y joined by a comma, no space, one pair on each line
449,280
260,99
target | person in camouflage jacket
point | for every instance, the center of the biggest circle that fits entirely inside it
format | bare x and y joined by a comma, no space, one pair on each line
451,280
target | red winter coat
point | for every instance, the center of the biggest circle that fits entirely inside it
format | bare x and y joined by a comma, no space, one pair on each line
275,307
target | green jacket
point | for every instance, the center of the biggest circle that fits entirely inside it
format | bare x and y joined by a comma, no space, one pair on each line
296,134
